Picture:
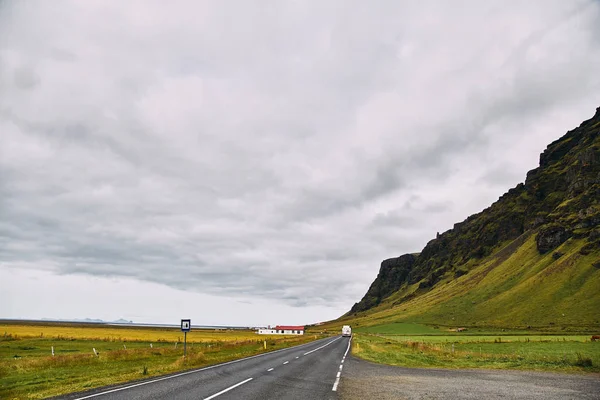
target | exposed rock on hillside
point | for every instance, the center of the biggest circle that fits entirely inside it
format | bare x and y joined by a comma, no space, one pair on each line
550,238
392,274
559,199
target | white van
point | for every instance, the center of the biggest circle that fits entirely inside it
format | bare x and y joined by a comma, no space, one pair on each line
346,330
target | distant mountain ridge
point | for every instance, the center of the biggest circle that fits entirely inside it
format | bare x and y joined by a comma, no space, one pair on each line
90,320
544,232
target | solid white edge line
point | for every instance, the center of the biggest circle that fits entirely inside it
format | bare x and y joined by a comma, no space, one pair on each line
339,374
188,372
319,348
228,389
349,342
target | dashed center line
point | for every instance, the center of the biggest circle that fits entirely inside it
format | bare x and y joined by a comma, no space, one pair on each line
285,362
270,369
325,345
228,389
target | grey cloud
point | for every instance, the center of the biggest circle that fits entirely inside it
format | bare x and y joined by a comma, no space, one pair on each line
272,152
394,219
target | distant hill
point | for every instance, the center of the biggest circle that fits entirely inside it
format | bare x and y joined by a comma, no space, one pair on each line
122,321
89,320
531,259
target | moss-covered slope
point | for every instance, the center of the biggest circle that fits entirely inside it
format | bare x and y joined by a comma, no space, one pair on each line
531,258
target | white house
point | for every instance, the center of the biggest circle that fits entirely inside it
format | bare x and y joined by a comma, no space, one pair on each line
282,330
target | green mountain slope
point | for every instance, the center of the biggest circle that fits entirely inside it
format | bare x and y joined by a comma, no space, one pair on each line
531,259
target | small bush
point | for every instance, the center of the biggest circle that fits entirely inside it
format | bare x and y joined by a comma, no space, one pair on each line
145,370
584,362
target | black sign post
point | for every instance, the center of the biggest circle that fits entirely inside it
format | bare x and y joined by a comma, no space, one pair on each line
186,326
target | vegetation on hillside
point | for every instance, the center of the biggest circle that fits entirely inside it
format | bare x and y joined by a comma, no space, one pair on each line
530,260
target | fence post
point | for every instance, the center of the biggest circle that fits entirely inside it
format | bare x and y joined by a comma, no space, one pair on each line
52,351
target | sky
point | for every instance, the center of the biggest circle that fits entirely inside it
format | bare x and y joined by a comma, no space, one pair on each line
252,163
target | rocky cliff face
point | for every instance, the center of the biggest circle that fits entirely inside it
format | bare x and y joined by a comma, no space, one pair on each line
560,199
392,275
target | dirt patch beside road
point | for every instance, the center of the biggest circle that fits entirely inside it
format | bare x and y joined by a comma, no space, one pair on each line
366,380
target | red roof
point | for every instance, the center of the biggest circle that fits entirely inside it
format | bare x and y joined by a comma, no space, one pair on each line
289,328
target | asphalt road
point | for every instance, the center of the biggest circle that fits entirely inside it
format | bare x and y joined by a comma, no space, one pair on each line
305,372
365,380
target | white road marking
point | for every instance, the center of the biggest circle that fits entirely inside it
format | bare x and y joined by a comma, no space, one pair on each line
186,373
297,357
335,385
270,369
325,345
285,362
228,389
339,374
346,353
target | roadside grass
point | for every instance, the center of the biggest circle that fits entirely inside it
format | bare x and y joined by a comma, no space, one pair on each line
404,328
537,352
29,371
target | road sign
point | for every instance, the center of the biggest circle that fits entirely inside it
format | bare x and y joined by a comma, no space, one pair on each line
186,325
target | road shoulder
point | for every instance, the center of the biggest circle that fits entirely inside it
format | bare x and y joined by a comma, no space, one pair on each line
367,380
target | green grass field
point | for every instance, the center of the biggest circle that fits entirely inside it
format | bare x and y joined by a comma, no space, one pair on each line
29,371
562,353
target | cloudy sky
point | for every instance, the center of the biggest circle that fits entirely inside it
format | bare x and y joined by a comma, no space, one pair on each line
246,163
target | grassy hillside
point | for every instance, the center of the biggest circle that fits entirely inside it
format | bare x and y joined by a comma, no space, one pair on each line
531,260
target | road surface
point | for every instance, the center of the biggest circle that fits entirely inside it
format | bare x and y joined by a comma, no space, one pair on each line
309,371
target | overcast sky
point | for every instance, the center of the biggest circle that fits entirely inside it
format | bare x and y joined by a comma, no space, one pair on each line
252,163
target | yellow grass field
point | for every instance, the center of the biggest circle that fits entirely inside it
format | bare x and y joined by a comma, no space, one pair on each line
125,334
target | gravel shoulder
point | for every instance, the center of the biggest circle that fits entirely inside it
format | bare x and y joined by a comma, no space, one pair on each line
365,380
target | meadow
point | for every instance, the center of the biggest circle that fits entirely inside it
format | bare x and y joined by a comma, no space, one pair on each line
415,345
28,370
